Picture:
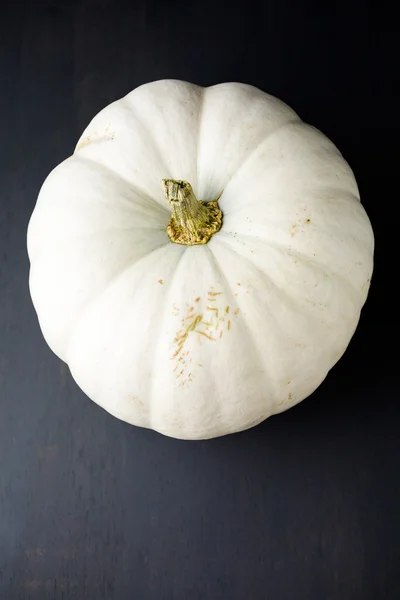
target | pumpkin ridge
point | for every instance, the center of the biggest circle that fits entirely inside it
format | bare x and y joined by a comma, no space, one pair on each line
146,130
93,301
160,319
235,300
119,177
199,130
270,134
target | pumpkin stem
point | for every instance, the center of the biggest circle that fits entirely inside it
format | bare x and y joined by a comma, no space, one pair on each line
192,221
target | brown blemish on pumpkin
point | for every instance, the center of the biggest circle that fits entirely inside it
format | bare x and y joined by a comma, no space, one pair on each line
94,136
290,396
212,308
206,335
182,336
160,281
135,399
294,229
190,316
86,140
109,134
210,326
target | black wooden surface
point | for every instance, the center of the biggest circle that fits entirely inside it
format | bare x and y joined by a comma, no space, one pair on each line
303,507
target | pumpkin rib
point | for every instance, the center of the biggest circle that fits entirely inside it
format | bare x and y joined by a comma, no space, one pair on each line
323,268
132,108
235,300
134,186
199,130
237,255
60,242
302,309
326,148
110,229
294,253
326,353
160,319
239,140
267,138
99,294
117,325
342,195
167,132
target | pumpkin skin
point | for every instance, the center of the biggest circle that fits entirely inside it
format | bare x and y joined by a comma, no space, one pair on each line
200,341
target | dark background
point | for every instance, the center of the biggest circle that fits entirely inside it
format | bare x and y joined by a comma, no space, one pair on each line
305,506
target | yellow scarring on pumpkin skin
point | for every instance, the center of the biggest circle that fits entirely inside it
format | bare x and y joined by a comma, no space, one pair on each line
191,318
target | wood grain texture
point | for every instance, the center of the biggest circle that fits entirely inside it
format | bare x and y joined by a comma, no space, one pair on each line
303,507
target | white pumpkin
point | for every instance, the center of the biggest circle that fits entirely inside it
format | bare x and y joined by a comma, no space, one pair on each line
236,323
